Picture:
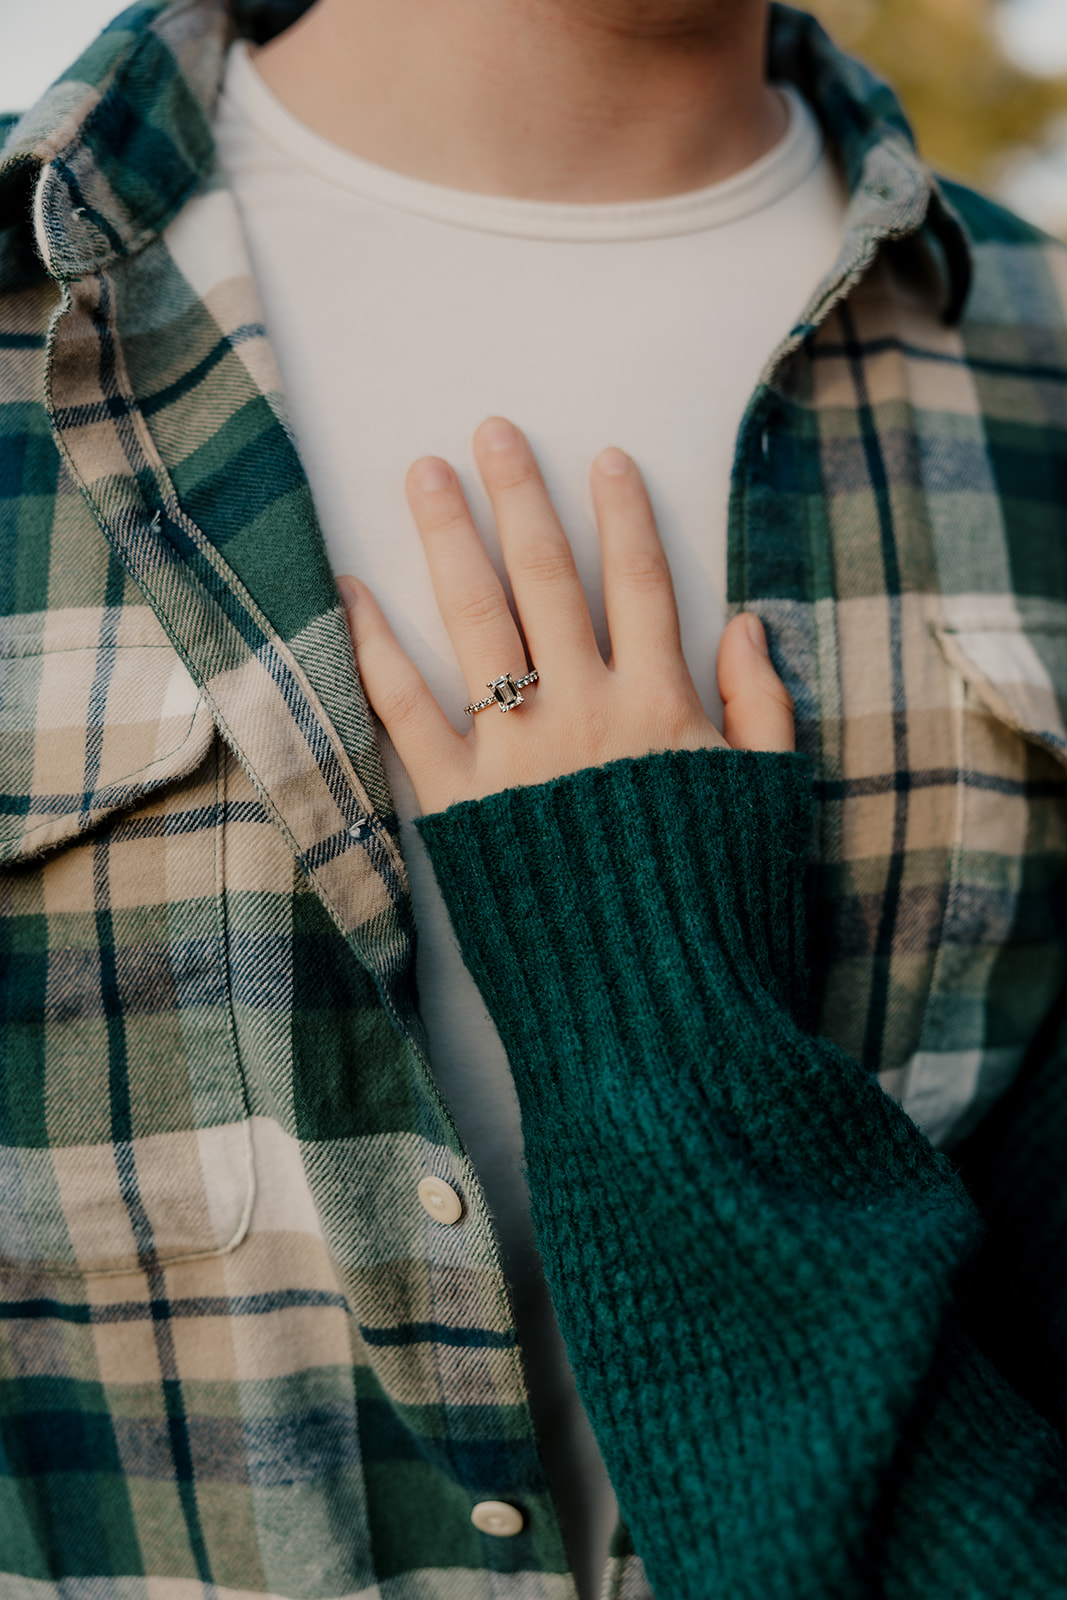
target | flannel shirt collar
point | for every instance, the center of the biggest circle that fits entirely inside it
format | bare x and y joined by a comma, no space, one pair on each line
124,139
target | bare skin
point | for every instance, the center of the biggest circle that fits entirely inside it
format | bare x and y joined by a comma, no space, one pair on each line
579,101
582,712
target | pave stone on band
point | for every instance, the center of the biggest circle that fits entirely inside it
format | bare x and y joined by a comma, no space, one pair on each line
505,692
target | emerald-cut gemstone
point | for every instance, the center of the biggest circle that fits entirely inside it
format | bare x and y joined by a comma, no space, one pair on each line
506,692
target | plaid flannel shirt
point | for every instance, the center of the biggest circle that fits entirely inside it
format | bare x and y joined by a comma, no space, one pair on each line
236,1354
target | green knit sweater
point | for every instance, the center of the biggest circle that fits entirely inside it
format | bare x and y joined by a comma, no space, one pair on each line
821,1359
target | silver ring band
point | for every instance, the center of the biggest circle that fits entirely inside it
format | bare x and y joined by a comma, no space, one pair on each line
505,693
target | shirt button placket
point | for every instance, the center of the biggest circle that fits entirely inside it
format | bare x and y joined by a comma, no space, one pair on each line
496,1517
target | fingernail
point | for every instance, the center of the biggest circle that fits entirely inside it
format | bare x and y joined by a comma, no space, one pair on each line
347,591
497,434
432,473
613,462
756,633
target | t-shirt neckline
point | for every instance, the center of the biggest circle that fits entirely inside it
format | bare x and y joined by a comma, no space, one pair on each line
774,175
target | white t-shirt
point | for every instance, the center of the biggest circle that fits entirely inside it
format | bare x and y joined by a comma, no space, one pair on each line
403,313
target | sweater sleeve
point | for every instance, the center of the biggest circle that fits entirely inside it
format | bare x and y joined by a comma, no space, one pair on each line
755,1256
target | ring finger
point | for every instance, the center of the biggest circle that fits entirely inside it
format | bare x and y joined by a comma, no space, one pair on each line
548,592
473,604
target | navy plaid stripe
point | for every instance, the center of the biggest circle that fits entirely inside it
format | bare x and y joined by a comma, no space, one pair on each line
435,1333
85,1315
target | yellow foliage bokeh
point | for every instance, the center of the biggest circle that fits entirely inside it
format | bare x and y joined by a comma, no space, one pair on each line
970,106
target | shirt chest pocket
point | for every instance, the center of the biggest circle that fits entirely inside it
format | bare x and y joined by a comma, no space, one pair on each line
124,1135
1003,950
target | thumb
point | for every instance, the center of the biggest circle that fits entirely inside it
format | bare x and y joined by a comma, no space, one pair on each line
757,706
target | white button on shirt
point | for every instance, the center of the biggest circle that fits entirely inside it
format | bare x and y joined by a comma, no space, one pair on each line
497,1517
440,1200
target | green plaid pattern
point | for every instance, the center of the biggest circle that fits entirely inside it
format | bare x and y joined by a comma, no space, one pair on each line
236,1356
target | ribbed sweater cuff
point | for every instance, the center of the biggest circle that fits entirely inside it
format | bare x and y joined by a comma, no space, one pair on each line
643,922
591,905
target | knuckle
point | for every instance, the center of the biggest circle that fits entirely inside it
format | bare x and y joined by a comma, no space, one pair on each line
646,573
445,515
479,605
399,703
546,563
513,469
776,690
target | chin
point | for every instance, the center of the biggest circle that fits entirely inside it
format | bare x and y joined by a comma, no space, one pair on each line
662,18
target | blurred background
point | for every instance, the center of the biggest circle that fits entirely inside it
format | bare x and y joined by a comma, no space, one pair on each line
985,85
984,81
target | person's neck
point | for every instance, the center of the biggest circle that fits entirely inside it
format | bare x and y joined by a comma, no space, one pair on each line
554,100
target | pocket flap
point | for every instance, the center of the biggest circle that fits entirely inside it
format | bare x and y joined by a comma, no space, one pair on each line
1013,653
96,711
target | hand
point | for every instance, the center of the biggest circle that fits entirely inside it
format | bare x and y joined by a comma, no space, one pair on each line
582,712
